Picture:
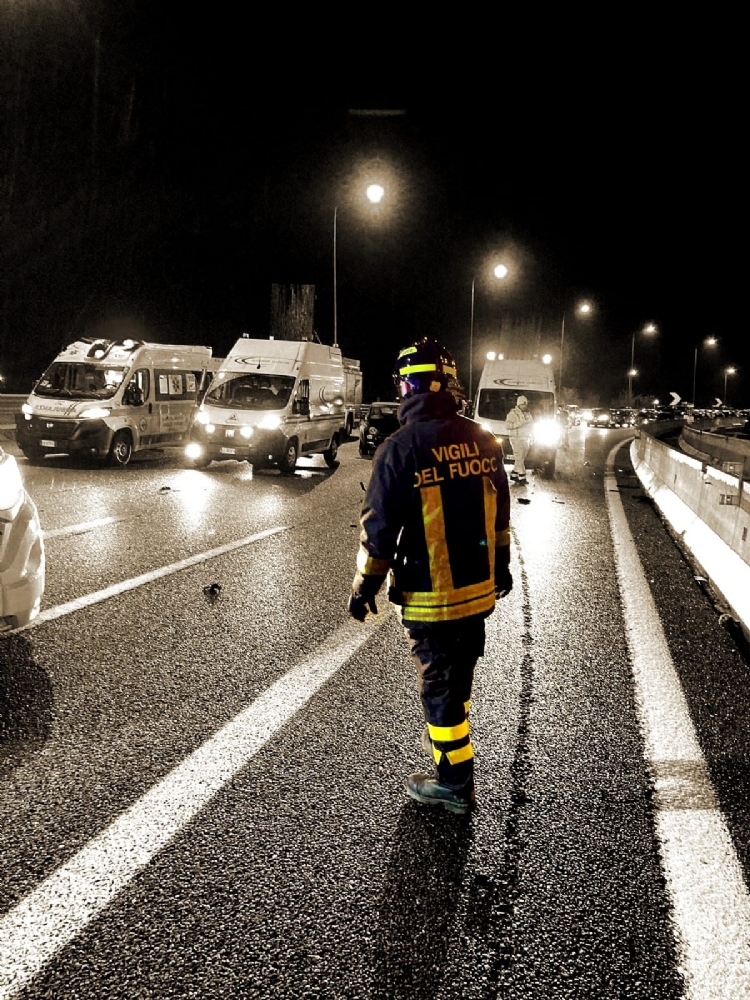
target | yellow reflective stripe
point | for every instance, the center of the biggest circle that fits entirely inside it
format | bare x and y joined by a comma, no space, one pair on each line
467,707
369,566
437,754
448,734
434,598
408,369
447,612
460,755
434,533
502,538
490,511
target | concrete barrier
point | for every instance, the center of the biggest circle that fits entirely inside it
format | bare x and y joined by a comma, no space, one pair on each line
709,509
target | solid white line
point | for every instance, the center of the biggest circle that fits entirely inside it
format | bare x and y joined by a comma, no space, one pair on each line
711,905
46,920
60,610
79,529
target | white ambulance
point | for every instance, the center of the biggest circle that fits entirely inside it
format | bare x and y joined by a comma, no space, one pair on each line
270,402
500,385
110,398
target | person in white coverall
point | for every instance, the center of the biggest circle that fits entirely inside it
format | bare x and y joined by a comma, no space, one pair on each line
518,423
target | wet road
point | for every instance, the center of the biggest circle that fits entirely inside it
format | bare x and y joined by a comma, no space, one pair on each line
202,794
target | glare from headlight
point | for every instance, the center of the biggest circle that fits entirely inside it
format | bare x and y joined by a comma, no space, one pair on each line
270,422
193,450
246,432
11,485
26,409
95,413
547,432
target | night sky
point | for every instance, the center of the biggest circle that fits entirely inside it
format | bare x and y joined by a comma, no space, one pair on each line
162,168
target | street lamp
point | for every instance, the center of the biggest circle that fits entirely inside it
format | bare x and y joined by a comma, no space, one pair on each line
649,328
583,308
709,342
500,271
730,370
375,194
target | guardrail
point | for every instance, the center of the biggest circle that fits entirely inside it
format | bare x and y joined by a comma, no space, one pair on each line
708,509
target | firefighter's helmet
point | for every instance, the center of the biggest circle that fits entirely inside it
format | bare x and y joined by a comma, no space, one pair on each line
425,366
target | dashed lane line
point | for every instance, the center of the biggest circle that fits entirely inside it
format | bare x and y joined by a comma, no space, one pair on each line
59,909
83,527
710,901
60,610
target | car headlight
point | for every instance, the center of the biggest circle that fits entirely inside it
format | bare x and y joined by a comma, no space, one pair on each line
271,422
95,413
26,410
547,432
246,431
201,417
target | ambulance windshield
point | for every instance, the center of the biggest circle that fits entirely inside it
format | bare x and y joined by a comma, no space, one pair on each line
77,380
250,391
496,404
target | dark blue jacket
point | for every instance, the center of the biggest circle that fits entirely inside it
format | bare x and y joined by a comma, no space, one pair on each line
436,509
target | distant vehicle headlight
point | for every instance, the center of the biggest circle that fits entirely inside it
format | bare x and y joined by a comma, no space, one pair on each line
547,432
95,413
271,422
587,415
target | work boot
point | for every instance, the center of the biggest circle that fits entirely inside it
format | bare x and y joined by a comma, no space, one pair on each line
427,789
425,741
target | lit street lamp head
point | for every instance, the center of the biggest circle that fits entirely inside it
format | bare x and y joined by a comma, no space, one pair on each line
375,193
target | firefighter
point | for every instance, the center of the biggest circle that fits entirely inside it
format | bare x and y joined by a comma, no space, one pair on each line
435,519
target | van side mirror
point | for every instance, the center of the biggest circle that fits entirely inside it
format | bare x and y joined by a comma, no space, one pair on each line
301,406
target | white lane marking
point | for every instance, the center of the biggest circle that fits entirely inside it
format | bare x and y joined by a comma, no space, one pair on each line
46,920
60,610
710,900
79,529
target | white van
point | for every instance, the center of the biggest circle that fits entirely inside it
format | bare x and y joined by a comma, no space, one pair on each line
270,402
352,394
111,398
500,385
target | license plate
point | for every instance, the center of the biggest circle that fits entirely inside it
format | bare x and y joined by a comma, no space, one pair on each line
228,451
46,443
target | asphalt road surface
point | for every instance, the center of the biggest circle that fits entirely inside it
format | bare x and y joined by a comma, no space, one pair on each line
202,758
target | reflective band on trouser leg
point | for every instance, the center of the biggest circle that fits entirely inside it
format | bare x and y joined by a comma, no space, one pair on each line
449,734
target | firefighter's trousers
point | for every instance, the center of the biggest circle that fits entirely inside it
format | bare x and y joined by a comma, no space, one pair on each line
445,654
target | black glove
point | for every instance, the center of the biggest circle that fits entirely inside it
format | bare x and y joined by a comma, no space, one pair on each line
362,598
503,579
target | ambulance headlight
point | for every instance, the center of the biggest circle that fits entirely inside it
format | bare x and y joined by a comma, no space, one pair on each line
271,422
201,417
26,410
193,450
95,413
246,432
547,432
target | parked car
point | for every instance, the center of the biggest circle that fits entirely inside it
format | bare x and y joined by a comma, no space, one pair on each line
379,422
22,564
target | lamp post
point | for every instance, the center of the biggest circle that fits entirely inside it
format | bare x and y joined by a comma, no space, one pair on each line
730,370
649,328
709,342
500,271
375,193
582,309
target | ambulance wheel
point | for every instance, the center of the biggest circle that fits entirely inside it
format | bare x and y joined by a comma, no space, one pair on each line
330,455
121,450
289,459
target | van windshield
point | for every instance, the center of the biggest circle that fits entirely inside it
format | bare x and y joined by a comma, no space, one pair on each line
496,404
79,380
250,391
